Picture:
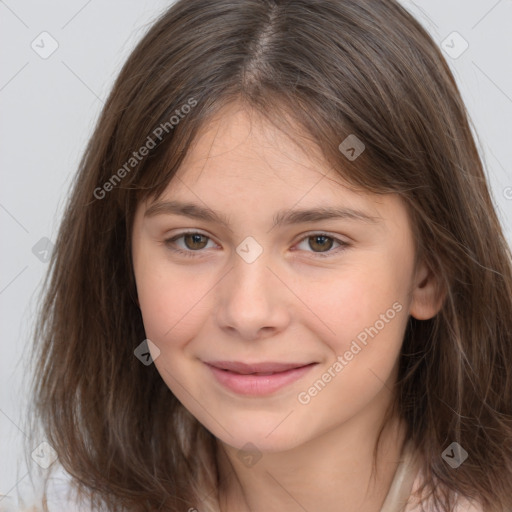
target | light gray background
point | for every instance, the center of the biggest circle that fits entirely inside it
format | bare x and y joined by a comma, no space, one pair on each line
49,107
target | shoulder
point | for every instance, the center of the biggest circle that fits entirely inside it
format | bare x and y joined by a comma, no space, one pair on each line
462,504
60,494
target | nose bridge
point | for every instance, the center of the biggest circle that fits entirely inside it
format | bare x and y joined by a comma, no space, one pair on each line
251,272
252,297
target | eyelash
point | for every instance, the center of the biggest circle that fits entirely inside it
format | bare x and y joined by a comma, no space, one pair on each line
189,253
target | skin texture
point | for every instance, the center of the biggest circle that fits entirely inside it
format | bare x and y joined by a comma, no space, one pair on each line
288,305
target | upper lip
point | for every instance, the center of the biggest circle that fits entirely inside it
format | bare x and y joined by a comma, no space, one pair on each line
266,367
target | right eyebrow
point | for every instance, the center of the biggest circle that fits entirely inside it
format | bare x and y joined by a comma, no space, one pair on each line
194,211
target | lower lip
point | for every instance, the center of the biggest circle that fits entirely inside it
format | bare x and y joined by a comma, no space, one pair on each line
258,385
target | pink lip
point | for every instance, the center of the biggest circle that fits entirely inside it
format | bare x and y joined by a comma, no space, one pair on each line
249,379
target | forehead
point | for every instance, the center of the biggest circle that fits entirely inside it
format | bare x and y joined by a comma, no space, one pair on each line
239,149
239,138
240,165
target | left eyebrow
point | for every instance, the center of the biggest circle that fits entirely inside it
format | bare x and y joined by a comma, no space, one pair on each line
287,217
281,218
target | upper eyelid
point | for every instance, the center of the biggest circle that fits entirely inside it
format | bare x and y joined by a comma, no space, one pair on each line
190,232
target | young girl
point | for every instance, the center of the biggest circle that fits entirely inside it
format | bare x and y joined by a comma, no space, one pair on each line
280,283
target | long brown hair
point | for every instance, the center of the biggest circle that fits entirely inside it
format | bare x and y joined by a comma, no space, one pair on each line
331,68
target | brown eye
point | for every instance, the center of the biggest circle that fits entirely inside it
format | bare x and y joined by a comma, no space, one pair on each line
193,241
321,243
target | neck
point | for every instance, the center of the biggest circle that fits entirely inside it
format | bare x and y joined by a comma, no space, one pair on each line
331,470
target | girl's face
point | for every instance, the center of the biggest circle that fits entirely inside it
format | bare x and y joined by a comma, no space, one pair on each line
262,286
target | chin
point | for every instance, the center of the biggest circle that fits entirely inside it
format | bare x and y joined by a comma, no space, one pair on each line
266,440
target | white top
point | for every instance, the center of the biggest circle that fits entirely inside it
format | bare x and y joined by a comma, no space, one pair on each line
406,480
406,477
30,495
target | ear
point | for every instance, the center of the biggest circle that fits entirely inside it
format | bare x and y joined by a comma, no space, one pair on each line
427,294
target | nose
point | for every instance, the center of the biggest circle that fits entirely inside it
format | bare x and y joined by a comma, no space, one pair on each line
254,301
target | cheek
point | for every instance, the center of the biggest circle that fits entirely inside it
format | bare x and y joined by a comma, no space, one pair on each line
365,308
363,353
173,304
355,298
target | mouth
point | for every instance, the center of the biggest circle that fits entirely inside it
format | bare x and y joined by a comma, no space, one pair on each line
257,379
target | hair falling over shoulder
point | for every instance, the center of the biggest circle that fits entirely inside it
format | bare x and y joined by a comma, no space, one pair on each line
332,68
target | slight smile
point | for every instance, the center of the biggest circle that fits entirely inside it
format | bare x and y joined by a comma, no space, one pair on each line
257,379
